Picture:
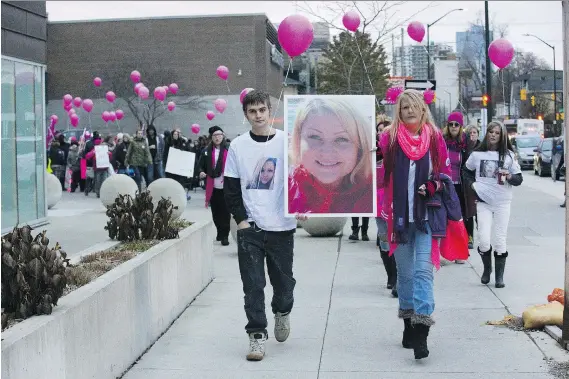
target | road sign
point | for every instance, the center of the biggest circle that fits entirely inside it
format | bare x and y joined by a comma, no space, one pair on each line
421,84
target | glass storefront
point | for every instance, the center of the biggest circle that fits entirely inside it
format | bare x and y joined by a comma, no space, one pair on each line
23,144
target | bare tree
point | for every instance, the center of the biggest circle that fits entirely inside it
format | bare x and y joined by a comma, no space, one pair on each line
149,110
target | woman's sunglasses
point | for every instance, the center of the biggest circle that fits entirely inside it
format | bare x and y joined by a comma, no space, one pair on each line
453,124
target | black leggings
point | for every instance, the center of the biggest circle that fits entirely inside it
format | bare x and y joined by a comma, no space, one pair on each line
468,222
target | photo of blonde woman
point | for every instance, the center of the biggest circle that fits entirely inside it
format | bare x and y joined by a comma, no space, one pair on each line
332,166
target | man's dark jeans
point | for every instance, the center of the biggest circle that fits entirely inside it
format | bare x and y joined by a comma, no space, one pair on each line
254,245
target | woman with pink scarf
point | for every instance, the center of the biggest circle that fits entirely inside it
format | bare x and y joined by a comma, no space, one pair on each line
415,155
212,165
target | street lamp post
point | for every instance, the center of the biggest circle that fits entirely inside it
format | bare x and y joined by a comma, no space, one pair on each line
429,40
554,77
449,100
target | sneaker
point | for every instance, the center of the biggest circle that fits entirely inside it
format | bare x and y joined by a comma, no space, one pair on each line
282,326
225,242
256,346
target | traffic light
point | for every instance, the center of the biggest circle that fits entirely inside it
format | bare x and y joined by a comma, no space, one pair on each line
523,94
485,99
539,117
533,101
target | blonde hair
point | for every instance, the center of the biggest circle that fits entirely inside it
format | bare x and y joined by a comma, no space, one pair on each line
446,132
353,123
469,129
383,119
419,107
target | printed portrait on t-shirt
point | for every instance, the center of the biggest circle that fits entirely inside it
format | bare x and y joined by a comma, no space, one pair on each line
264,174
488,169
330,164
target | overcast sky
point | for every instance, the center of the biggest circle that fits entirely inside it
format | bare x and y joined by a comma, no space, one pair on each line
542,18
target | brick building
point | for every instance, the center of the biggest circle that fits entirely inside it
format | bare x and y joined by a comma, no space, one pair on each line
185,50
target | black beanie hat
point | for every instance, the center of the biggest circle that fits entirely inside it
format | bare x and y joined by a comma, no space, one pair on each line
214,129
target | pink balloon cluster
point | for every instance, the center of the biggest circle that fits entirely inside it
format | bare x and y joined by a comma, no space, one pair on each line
501,52
392,94
351,20
77,102
160,93
295,34
416,31
195,128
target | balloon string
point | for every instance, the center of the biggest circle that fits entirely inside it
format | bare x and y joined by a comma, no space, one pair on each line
503,88
280,96
365,68
227,84
89,113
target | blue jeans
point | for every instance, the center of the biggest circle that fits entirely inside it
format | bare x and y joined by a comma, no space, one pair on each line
382,234
415,273
158,170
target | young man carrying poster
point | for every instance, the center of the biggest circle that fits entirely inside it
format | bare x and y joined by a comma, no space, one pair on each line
254,193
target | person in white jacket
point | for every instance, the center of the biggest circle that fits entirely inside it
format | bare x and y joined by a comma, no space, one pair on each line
491,171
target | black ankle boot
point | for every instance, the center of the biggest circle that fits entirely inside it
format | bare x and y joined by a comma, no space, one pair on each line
364,234
487,261
389,266
500,262
408,334
355,231
420,347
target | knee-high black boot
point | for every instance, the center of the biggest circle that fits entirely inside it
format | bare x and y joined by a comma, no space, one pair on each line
389,264
500,262
408,334
487,261
421,334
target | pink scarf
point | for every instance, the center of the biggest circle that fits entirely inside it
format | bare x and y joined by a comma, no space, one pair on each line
414,148
209,179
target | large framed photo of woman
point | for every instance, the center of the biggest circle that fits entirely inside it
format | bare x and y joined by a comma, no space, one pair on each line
330,165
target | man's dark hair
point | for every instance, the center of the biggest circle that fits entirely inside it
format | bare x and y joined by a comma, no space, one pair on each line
256,97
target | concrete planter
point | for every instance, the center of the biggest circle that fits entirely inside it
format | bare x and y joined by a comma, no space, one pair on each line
100,329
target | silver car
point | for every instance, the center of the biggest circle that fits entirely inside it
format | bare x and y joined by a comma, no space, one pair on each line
524,149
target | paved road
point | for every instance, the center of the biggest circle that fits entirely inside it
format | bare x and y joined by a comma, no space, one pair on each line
344,323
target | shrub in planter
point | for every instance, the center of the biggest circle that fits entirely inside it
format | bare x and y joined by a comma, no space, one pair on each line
33,275
135,219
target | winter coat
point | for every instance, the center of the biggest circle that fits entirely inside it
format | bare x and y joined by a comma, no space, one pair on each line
119,156
138,153
307,195
159,151
443,206
57,155
73,159
92,156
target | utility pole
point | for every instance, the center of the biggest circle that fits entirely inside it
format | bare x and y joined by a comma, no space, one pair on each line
488,67
565,6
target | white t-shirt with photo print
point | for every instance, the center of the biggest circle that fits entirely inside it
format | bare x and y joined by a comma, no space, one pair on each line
260,168
486,164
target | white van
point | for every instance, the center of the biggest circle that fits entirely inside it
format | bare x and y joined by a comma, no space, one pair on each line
524,126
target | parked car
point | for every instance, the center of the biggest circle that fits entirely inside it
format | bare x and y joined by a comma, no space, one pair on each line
524,147
558,158
542,157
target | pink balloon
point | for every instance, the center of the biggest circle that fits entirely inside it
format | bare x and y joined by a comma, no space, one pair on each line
120,114
210,115
244,93
171,106
112,116
67,99
135,76
74,120
195,128
416,31
77,101
111,96
97,81
429,96
106,116
295,34
220,105
54,118
143,93
173,88
222,72
159,93
88,105
351,20
71,111
501,52
138,86
67,107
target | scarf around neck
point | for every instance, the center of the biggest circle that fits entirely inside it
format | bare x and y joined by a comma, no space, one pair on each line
414,148
215,172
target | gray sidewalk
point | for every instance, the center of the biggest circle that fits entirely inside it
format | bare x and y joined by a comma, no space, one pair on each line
344,323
